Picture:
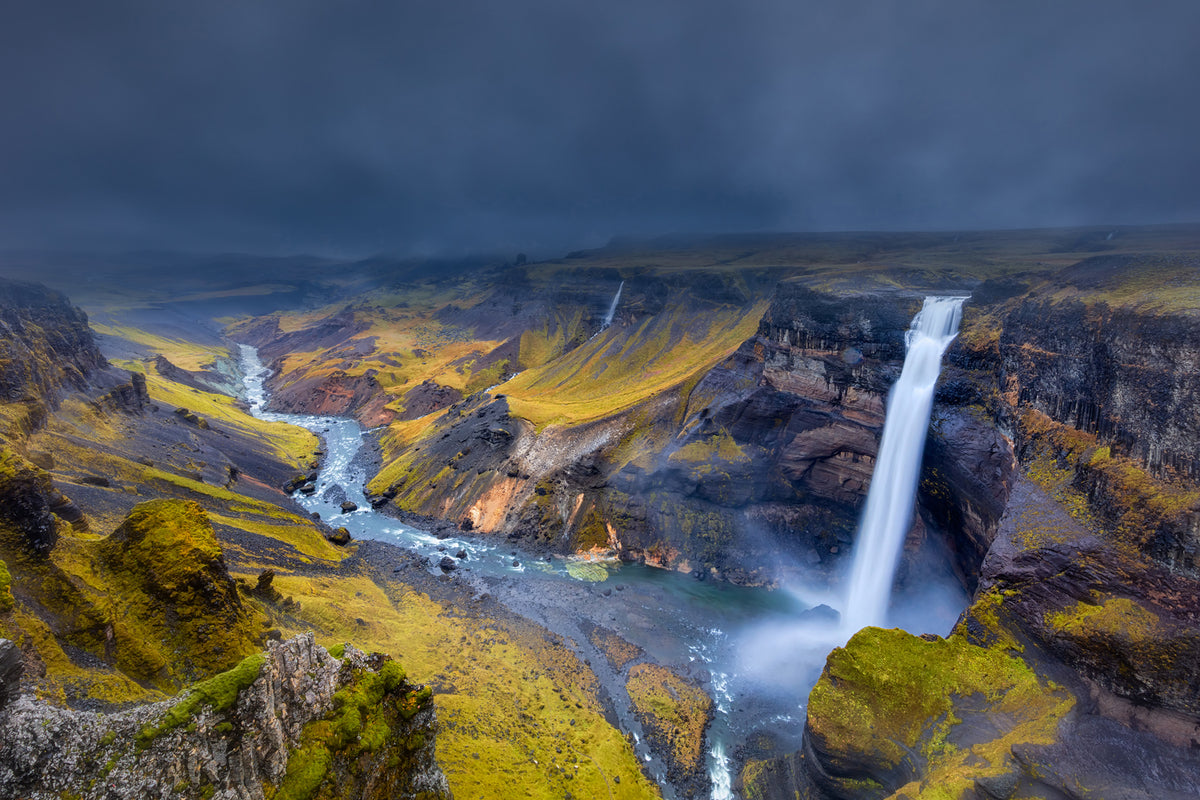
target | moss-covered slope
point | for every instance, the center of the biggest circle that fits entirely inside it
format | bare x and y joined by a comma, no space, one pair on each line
168,586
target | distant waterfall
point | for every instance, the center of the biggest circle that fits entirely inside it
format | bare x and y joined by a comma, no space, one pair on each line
894,482
612,309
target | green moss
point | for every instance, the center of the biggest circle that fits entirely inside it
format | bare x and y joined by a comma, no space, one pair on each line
174,611
366,713
171,540
219,693
306,771
889,696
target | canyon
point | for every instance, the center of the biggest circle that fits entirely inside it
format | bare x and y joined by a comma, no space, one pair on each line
712,408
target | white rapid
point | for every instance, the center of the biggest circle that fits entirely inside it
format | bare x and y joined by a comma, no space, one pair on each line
612,309
894,482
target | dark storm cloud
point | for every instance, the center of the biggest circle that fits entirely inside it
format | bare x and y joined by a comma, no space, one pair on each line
356,127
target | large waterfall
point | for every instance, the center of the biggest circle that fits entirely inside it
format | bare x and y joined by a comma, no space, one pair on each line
894,482
612,309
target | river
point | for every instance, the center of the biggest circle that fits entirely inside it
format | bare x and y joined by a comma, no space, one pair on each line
752,647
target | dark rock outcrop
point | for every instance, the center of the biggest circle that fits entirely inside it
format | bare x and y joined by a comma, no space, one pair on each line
809,320
968,473
128,398
1124,625
1126,379
46,346
29,501
294,718
427,398
12,665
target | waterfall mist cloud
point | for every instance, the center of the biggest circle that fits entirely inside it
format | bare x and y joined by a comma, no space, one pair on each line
350,128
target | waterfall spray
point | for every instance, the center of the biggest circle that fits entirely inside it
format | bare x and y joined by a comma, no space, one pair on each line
894,482
612,309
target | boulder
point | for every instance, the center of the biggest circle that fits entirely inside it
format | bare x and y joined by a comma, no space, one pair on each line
263,588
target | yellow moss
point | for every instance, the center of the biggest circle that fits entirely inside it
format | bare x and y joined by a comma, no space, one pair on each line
620,368
1114,617
63,678
887,695
590,570
6,599
539,347
986,611
161,480
505,696
705,451
305,538
182,353
1059,456
289,443
591,532
618,651
676,712
173,610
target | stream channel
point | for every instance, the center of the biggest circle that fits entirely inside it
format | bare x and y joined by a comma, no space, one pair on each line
750,648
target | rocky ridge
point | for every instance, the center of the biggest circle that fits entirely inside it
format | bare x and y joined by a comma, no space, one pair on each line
45,345
290,723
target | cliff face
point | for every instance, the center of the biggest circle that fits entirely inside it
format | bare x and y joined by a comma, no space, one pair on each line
1089,585
45,345
293,722
1071,675
1128,382
769,450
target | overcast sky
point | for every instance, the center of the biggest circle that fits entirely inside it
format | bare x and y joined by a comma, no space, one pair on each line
348,127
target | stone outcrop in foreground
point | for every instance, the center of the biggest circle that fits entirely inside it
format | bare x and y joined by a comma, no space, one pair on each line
294,722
